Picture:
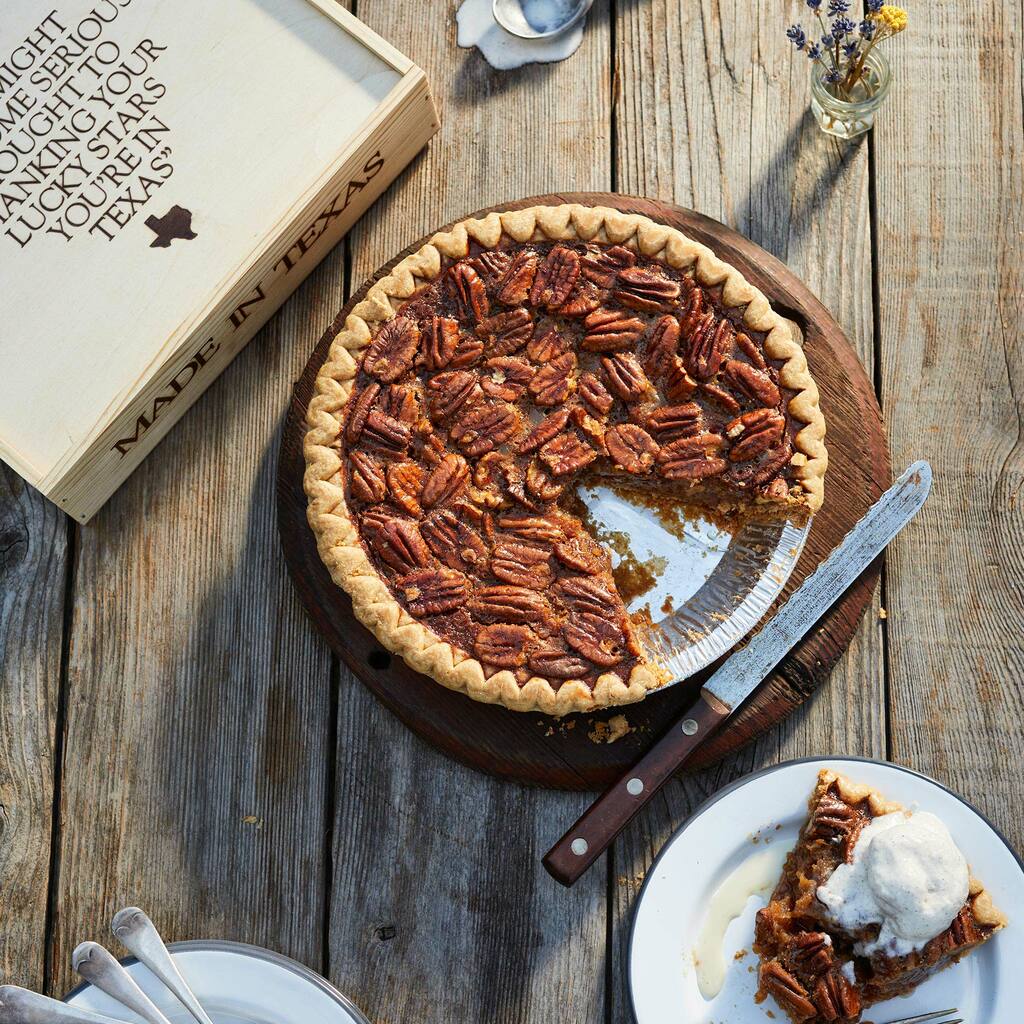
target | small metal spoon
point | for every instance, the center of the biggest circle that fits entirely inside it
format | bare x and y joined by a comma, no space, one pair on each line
509,15
139,934
20,1006
99,968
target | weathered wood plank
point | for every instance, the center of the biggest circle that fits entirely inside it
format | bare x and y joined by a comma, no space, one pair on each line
440,908
950,176
33,578
199,713
722,125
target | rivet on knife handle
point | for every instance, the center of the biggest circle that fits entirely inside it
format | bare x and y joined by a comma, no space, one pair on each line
740,675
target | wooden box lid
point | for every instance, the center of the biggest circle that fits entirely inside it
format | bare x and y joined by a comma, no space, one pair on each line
151,155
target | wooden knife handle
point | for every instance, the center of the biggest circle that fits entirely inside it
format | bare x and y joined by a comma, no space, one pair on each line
609,814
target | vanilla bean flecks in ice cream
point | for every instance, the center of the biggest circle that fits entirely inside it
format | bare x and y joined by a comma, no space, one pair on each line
906,875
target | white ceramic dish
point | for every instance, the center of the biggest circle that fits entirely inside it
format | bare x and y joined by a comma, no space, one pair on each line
768,808
236,984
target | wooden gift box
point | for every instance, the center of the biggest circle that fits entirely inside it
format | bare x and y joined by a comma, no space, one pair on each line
169,173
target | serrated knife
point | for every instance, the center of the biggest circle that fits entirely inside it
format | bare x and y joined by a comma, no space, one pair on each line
739,676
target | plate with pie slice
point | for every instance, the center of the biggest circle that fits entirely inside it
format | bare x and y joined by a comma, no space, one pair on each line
837,891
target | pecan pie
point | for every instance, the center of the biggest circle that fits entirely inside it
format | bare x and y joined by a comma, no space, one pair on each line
488,374
872,901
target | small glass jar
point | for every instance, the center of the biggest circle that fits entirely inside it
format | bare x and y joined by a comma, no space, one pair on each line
848,117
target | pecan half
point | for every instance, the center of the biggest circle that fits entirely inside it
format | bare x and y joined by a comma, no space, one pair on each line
755,474
509,377
359,409
963,930
754,383
836,998
720,397
467,353
553,383
671,422
454,542
469,291
625,377
540,483
506,603
692,458
507,332
646,290
555,278
386,434
751,350
813,951
603,266
446,480
754,433
515,284
596,396
583,554
610,330
449,393
391,353
788,992
694,307
592,429
398,543
581,303
547,347
440,343
367,481
708,346
833,820
504,645
522,564
601,640
400,402
484,427
678,384
548,428
631,447
405,482
662,346
534,528
558,663
583,594
492,265
567,453
433,591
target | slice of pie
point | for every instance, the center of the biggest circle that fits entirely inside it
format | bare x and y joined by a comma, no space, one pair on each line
505,362
872,900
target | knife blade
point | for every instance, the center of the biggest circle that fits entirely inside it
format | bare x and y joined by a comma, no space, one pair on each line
740,676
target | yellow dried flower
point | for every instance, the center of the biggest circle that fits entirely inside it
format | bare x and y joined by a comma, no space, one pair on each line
891,19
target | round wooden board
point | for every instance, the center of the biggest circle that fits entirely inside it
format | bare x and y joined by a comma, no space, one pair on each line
539,750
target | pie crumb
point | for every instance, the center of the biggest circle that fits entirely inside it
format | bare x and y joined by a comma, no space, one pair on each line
882,613
608,732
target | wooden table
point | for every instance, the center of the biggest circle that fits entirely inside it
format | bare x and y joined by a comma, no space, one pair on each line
172,731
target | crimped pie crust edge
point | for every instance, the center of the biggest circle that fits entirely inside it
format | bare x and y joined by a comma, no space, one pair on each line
985,911
336,533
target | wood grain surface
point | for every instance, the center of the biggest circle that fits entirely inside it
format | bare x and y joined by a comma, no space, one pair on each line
531,748
221,767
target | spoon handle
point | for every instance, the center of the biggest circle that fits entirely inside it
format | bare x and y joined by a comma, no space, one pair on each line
20,1006
99,968
139,934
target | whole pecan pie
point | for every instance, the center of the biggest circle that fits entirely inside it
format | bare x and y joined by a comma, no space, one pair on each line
852,922
490,372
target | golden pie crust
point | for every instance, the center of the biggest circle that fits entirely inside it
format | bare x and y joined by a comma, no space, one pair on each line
337,532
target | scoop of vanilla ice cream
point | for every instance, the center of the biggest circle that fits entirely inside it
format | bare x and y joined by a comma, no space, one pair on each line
907,875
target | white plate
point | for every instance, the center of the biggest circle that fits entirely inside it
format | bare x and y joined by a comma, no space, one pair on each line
236,984
769,808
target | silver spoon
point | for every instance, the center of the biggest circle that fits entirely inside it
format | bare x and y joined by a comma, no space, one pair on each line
139,934
509,15
20,1006
99,968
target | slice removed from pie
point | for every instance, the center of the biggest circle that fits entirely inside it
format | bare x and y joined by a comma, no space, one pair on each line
872,901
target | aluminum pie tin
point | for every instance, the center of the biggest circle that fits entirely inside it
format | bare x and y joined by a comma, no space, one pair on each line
709,586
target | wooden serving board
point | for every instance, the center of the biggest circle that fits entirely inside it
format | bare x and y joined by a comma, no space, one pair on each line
537,749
